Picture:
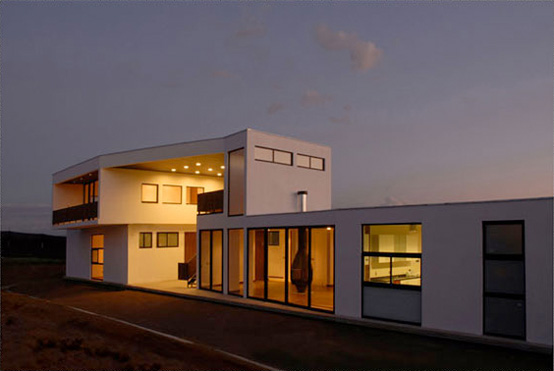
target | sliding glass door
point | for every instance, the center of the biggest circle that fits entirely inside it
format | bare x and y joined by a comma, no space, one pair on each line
292,265
211,260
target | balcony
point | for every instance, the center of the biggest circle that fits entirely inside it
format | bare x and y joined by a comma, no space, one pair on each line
79,213
210,202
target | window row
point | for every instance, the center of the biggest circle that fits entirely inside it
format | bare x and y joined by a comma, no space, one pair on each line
171,194
163,239
285,158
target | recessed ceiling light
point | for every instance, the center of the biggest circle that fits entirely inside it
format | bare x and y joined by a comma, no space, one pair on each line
173,169
186,166
197,172
223,167
210,169
218,174
329,228
198,164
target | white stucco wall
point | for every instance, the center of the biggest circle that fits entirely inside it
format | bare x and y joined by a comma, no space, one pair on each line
272,188
78,258
155,264
452,257
120,197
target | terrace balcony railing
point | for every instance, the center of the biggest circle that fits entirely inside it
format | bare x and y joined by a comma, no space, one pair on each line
77,213
210,202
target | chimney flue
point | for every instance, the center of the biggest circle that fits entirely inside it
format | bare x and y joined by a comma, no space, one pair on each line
303,196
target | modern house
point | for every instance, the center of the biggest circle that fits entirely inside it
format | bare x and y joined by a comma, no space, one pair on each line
250,215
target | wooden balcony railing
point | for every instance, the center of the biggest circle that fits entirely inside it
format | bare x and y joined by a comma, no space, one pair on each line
210,202
75,213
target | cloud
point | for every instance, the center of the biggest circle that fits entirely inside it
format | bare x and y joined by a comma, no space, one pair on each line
251,27
223,74
364,55
347,107
314,98
274,108
340,120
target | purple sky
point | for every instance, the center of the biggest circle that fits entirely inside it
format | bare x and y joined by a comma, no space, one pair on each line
421,103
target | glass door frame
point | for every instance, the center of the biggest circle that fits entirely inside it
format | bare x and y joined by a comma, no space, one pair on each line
287,265
199,253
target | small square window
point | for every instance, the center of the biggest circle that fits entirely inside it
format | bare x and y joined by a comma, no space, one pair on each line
172,194
168,239
192,195
145,240
149,193
303,161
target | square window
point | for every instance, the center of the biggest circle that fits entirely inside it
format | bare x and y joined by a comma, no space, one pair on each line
97,241
192,195
303,161
316,163
145,239
282,157
263,154
149,193
172,194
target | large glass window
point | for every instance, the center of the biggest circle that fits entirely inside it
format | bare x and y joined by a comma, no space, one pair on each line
292,266
211,260
504,279
236,261
236,182
256,263
97,256
392,255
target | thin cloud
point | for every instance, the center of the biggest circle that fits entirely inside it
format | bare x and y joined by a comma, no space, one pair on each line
364,55
274,108
392,201
314,98
223,74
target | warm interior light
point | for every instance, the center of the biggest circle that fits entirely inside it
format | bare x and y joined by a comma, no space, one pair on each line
210,169
218,174
197,172
173,169
223,167
329,228
186,166
198,164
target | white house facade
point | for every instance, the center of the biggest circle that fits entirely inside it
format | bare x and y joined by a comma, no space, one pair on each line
249,215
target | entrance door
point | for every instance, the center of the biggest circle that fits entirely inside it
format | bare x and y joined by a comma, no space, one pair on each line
504,279
190,246
97,257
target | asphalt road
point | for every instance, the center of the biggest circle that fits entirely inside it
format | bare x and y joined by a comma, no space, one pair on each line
279,340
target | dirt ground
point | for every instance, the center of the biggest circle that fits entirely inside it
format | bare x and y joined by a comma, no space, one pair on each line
41,335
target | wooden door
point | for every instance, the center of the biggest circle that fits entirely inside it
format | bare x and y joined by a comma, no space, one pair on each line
190,245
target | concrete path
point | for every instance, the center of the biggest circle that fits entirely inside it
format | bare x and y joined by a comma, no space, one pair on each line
280,340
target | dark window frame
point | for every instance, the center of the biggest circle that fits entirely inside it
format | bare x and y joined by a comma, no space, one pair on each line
167,239
91,253
199,252
180,194
391,255
287,261
141,240
242,257
310,157
187,194
273,156
504,257
157,194
228,181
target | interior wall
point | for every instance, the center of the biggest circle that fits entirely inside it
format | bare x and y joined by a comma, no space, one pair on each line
66,195
120,197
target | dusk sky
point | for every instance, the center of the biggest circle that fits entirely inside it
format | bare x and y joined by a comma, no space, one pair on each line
423,102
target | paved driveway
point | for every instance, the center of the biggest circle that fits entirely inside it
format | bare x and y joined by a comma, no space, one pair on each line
283,341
